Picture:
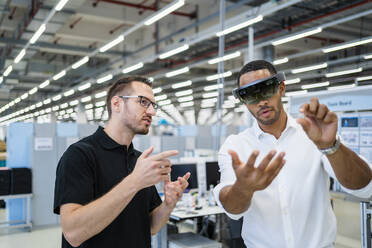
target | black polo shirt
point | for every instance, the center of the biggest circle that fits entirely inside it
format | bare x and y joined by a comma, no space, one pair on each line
92,167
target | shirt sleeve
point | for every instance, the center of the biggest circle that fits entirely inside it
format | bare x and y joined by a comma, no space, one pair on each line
365,192
155,199
227,176
74,179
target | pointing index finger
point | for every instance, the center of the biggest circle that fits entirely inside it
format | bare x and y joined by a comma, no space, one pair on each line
163,155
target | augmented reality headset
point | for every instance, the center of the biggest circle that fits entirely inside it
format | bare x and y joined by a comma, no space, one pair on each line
259,90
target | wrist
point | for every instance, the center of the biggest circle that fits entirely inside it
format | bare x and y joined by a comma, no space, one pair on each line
242,189
134,182
332,148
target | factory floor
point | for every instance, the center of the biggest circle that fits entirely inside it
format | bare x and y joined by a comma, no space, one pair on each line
347,213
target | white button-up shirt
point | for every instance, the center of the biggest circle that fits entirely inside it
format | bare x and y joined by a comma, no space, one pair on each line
294,210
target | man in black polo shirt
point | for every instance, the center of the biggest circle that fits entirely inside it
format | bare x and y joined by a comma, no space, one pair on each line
105,189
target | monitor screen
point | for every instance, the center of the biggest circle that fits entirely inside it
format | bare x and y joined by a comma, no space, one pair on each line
179,170
212,173
349,122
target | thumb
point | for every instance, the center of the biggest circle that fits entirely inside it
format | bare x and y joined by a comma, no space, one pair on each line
146,153
235,159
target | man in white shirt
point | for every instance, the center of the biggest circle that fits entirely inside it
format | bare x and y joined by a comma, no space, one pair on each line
276,174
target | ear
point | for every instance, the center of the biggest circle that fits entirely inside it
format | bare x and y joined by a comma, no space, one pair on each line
115,104
282,89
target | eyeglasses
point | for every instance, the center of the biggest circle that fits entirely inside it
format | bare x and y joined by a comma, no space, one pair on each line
259,90
144,101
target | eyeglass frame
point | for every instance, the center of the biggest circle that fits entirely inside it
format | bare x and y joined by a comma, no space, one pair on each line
154,105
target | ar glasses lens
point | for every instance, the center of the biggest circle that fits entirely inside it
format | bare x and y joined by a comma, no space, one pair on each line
258,92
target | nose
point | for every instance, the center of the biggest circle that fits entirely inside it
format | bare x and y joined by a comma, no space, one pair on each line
151,110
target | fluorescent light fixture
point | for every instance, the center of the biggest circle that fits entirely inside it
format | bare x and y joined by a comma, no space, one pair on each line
38,105
17,100
133,68
151,79
292,81
104,79
316,85
20,56
1,79
183,93
296,93
341,87
44,84
74,102
100,94
47,101
348,45
213,87
8,71
61,4
165,102
160,98
367,56
88,106
84,86
86,99
240,26
309,68
165,11
364,78
187,104
64,105
69,111
55,108
157,90
280,61
24,96
100,104
69,92
182,84
177,72
185,99
217,76
38,33
174,51
33,91
339,73
80,62
59,75
296,37
111,44
209,95
57,97
48,110
224,58
32,107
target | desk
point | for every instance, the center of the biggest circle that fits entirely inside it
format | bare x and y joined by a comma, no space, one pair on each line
182,213
27,212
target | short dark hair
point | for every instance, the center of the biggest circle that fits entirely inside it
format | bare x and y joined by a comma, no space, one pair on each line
256,65
123,84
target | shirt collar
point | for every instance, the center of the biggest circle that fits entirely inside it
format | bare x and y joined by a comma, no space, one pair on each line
291,123
108,143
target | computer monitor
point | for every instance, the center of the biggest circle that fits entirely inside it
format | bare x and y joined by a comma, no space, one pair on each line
179,170
212,173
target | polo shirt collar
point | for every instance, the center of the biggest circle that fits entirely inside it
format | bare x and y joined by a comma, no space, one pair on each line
291,123
108,143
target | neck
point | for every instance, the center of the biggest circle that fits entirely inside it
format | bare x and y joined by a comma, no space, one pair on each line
119,133
277,127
